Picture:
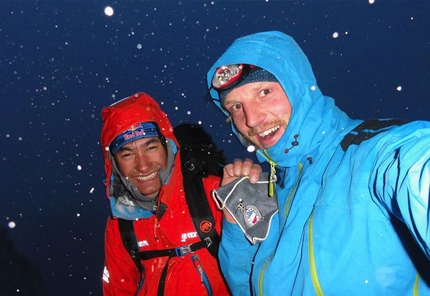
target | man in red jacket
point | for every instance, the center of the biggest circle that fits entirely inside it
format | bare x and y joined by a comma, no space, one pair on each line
144,184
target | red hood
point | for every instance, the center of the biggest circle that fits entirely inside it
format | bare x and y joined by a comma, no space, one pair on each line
120,116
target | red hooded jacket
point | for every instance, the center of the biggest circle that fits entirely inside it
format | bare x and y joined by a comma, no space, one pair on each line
174,229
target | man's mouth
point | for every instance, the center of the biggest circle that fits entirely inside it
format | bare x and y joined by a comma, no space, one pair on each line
148,177
269,132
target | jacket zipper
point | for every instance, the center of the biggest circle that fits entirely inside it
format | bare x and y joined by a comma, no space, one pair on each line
287,211
313,269
203,277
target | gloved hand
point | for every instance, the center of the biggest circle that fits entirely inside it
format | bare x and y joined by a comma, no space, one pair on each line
249,204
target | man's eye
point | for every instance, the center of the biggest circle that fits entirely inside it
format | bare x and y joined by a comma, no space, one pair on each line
236,107
265,92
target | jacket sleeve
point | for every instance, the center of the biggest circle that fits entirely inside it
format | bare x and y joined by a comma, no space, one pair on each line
120,276
402,178
236,255
235,252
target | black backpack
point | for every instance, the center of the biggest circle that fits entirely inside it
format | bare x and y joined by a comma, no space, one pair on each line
200,157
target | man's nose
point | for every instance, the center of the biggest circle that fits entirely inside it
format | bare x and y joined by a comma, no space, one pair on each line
253,115
142,162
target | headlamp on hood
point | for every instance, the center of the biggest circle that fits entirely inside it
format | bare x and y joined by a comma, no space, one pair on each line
227,78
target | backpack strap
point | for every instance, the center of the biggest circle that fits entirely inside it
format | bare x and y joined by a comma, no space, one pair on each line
202,218
368,129
128,236
198,205
170,253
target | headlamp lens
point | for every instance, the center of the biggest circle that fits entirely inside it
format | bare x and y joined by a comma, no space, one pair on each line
226,75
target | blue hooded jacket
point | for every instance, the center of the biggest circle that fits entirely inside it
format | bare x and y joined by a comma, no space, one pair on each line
353,207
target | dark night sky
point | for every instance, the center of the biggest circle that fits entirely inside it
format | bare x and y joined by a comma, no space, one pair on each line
62,61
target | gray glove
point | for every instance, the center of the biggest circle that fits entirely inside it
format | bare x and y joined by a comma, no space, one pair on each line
249,204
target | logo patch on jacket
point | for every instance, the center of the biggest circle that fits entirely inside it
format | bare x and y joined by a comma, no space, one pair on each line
188,235
205,226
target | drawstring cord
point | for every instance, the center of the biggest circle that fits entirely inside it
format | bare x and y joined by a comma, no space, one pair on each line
272,176
294,144
158,214
272,179
273,165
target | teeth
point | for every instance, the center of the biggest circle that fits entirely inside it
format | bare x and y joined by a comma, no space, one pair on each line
269,131
146,178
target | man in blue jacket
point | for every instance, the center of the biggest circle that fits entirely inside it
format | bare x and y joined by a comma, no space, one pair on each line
353,195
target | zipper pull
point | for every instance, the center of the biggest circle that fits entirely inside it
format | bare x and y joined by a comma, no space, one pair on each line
272,176
155,229
272,179
203,277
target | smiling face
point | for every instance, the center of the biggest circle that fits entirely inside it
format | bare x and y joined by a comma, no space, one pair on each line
140,161
260,111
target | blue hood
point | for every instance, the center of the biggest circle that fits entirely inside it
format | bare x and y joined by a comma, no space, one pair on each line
315,118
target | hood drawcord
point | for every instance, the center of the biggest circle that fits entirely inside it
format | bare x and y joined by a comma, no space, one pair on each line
294,144
159,212
272,165
156,225
272,178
